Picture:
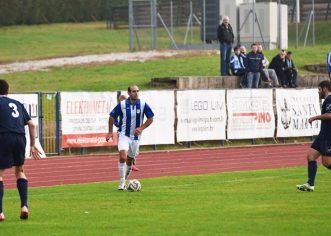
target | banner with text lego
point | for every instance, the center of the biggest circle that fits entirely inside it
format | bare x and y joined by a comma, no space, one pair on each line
250,114
294,108
201,115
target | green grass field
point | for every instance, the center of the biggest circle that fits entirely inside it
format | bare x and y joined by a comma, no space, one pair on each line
241,203
20,43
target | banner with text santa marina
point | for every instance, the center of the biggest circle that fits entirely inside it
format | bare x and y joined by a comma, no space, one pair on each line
85,118
201,115
31,104
294,108
162,130
250,114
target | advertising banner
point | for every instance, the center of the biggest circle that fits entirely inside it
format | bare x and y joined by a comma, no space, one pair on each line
162,130
201,115
294,108
250,114
85,118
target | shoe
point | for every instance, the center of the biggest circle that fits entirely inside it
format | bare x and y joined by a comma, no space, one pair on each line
135,168
122,186
305,187
24,213
2,216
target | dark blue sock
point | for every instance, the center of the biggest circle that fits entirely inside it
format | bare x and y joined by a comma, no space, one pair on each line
1,195
312,169
22,187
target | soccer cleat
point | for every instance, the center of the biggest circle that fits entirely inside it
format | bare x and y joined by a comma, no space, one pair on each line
305,187
135,168
24,213
2,216
122,186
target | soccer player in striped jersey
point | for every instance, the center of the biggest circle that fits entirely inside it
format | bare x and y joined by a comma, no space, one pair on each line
13,118
130,114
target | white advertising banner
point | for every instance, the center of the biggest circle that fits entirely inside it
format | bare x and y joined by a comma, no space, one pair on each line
85,118
294,108
31,104
162,130
201,115
250,114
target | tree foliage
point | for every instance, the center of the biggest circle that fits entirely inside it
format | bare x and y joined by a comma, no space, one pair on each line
16,12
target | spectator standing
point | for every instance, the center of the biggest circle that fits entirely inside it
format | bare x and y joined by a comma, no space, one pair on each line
253,65
291,71
225,37
131,114
13,119
278,64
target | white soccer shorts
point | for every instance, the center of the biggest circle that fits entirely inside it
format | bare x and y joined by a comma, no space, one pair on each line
128,144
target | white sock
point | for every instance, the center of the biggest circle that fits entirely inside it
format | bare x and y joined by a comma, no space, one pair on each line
128,171
121,171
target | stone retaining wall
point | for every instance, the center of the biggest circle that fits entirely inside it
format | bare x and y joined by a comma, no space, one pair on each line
210,82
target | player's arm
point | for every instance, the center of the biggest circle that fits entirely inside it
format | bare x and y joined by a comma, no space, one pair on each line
110,128
147,123
34,152
325,116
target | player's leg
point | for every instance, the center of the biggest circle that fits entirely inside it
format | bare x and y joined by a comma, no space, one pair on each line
312,156
326,161
22,187
123,147
132,154
2,216
134,165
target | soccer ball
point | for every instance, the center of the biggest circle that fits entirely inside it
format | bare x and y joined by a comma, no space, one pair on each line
134,185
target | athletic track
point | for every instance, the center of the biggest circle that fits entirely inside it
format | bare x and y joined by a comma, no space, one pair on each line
100,168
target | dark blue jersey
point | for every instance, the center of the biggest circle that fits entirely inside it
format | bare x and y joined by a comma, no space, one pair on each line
326,124
13,116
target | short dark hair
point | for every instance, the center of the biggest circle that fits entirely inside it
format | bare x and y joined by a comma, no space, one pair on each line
236,48
289,53
4,87
325,84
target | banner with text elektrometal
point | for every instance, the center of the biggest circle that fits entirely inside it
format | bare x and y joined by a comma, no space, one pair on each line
250,114
294,108
31,104
162,130
85,118
201,115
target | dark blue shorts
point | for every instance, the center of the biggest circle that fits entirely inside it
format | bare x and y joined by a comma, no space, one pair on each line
322,145
12,150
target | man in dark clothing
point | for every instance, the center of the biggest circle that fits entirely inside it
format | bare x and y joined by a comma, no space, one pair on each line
278,64
291,71
225,37
13,119
253,65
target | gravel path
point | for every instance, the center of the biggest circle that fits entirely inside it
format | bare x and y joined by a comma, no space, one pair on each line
40,65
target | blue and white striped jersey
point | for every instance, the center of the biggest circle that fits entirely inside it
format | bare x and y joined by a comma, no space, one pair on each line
131,116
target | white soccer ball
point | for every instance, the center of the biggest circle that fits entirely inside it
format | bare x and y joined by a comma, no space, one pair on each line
134,185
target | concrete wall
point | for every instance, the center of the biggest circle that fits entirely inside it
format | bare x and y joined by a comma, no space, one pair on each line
206,82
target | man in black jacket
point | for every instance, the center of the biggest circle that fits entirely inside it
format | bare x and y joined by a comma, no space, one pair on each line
278,64
225,37
291,71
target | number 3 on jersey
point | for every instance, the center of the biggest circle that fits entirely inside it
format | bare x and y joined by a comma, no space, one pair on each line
15,112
